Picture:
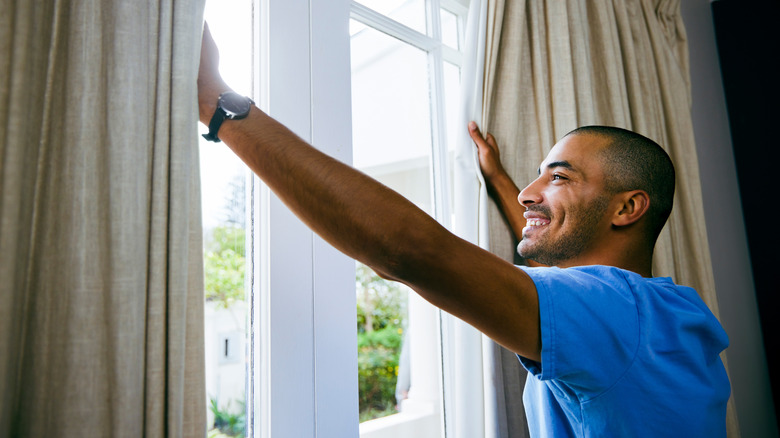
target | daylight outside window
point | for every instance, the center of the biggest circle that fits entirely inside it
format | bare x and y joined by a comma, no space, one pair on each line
223,184
405,75
402,85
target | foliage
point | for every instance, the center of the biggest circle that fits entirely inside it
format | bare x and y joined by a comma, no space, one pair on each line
371,413
381,307
227,423
378,354
379,302
225,265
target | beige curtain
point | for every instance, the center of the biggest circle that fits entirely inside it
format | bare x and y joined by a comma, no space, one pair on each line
552,66
101,321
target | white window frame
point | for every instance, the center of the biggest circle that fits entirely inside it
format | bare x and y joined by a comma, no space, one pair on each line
421,413
303,348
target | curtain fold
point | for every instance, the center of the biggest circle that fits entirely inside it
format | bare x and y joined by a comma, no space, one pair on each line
551,66
490,406
469,401
100,234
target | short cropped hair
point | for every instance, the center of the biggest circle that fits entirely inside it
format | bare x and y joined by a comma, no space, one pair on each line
634,162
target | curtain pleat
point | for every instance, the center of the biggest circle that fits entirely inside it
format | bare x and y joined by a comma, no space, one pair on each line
101,331
552,66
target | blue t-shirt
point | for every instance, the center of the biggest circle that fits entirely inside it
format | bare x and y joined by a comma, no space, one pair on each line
624,356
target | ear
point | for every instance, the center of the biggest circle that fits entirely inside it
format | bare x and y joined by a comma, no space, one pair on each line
633,205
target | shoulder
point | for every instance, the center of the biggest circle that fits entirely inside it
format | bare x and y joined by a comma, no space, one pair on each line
582,279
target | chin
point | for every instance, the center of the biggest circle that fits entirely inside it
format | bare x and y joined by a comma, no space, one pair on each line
525,252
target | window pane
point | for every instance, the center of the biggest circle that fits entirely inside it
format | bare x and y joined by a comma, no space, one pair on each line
392,143
223,186
391,114
407,12
449,29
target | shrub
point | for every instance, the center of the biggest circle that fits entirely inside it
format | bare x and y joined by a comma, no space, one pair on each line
228,423
378,354
381,308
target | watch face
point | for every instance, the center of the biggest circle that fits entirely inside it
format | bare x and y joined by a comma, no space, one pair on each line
234,104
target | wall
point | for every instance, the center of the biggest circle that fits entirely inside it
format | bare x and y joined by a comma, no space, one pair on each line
726,228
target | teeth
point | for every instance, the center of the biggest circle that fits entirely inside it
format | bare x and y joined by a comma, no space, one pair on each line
534,222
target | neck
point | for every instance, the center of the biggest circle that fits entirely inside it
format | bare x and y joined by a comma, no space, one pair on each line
633,259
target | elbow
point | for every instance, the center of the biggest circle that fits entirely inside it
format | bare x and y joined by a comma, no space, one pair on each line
412,255
392,264
385,275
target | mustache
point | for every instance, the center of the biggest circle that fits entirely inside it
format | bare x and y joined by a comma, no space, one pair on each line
543,209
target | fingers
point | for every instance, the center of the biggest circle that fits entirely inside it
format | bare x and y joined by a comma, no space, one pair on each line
491,140
473,128
210,83
488,154
209,54
476,135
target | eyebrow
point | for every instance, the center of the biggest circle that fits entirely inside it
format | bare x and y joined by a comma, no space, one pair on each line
565,164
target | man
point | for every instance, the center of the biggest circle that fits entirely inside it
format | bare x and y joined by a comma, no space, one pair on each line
612,351
623,354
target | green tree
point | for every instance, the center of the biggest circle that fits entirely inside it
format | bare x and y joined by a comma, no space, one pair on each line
381,308
225,265
379,302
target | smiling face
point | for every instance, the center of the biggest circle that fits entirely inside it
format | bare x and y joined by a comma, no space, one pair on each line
566,206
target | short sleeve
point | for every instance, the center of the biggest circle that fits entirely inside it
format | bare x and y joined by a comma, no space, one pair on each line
589,327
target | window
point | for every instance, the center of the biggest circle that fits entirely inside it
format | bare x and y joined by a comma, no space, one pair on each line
302,349
405,74
300,353
224,179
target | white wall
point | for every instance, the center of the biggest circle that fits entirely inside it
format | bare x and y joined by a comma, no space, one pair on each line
726,229
225,374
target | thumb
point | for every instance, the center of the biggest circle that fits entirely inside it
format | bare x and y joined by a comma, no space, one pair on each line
475,134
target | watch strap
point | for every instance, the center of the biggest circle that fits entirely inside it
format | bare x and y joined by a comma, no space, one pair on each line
230,105
216,121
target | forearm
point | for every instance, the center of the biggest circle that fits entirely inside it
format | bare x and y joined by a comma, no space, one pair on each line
371,223
504,192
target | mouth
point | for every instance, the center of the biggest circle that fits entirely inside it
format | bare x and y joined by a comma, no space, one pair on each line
534,223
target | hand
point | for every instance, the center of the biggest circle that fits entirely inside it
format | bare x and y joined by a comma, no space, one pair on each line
210,82
499,185
489,156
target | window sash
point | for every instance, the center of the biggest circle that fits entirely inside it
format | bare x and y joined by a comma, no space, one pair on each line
304,359
303,356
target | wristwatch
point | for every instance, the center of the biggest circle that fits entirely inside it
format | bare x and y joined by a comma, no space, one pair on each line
230,105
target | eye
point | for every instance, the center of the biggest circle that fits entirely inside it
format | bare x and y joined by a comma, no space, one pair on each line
558,177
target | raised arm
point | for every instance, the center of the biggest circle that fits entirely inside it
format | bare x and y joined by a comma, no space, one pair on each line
375,225
500,186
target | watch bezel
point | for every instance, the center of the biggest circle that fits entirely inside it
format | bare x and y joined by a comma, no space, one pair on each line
234,105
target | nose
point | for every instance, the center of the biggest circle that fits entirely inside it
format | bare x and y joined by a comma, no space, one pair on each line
530,195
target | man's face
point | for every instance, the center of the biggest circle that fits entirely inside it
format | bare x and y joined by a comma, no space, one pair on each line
566,205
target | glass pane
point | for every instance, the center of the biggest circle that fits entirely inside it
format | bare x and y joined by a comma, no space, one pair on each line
410,13
223,185
392,143
449,29
391,114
